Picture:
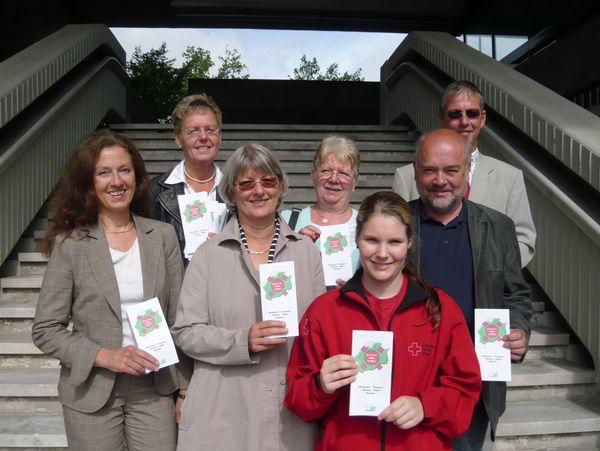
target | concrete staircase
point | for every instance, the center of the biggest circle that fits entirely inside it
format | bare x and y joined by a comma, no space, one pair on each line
30,414
552,400
382,149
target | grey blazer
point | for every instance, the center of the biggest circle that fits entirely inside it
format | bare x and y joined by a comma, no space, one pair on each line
80,286
495,184
498,279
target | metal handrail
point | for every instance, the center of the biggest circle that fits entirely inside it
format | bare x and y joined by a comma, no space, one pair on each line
30,73
47,111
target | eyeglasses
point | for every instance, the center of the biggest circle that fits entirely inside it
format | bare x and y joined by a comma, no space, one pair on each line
327,173
267,182
457,114
195,132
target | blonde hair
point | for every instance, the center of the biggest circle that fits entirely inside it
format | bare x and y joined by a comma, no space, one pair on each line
342,148
191,104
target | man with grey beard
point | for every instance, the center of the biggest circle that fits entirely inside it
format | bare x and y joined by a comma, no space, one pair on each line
471,252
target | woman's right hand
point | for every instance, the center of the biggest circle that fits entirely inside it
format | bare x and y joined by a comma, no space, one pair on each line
337,371
130,360
258,334
310,231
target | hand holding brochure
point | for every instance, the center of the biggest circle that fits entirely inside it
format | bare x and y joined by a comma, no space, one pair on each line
151,331
494,359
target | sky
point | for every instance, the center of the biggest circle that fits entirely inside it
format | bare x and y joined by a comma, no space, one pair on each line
272,54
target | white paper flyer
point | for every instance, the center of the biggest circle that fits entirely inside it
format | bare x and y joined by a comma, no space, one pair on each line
151,331
370,392
278,295
494,359
336,253
199,216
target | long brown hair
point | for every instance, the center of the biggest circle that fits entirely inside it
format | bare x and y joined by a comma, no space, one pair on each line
74,206
392,204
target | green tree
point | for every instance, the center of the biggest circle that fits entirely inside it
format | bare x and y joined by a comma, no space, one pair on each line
156,80
198,62
333,73
310,70
161,85
232,66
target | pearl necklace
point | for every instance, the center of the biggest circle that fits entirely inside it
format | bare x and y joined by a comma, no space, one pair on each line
199,180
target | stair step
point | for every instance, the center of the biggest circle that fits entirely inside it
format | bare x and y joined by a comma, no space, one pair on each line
38,234
25,282
32,257
550,417
25,382
17,343
18,309
35,430
538,306
550,372
543,336
32,263
19,296
585,441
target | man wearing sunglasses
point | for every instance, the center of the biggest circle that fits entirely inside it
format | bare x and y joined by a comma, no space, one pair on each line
491,182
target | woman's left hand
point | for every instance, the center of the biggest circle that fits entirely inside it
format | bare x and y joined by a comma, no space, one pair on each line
405,412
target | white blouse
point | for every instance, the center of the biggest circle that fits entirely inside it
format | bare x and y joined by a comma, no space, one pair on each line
128,269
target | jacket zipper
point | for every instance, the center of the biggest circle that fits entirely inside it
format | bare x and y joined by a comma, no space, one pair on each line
168,210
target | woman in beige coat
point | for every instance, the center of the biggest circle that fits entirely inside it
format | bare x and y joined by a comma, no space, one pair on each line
235,399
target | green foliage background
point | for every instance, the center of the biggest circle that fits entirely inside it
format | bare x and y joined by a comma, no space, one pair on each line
161,85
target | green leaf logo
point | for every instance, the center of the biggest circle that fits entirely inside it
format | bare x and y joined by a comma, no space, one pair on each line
492,331
147,322
371,358
193,211
277,285
335,243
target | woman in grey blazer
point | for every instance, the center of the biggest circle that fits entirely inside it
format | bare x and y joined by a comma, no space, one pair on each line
104,256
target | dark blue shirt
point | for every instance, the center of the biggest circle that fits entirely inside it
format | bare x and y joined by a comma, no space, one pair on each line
447,261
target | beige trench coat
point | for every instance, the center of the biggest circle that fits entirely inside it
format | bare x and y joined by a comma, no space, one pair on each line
235,400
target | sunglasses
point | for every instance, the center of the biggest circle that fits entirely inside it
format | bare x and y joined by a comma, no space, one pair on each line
267,182
457,114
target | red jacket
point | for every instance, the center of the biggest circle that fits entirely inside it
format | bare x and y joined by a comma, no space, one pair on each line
439,366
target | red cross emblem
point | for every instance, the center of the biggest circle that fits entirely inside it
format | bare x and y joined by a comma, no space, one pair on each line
414,349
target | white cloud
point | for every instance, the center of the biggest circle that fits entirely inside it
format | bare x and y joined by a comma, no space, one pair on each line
272,54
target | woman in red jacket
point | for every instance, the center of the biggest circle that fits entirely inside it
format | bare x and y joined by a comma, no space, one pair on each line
435,373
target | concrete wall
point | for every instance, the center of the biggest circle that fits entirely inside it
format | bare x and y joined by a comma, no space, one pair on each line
293,101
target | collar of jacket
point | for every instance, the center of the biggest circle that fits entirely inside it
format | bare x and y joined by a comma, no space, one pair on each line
142,226
167,194
354,290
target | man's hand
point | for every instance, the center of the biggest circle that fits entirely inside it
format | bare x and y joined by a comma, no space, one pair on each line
516,341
